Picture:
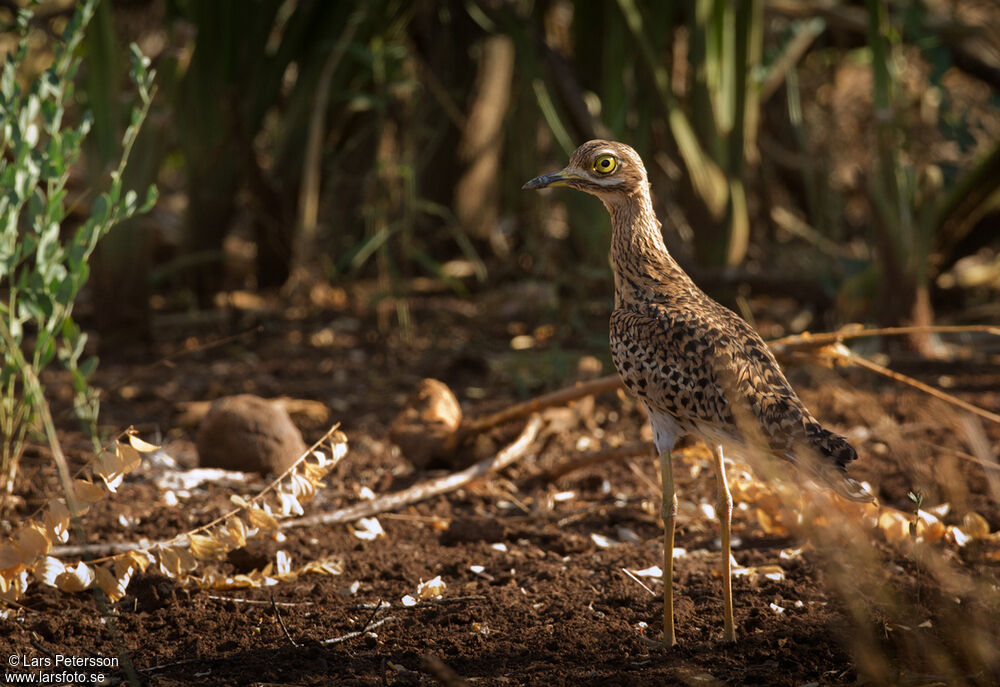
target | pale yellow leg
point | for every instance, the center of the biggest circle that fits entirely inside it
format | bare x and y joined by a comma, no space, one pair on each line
669,514
724,509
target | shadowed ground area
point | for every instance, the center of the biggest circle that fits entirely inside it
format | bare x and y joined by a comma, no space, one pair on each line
535,591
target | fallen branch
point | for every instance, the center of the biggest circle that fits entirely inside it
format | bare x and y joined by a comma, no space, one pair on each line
809,340
428,488
585,460
519,410
843,354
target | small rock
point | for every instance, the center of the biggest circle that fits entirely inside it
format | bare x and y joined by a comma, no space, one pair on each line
424,426
250,434
464,530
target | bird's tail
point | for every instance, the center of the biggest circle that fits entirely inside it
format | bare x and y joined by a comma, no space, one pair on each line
832,455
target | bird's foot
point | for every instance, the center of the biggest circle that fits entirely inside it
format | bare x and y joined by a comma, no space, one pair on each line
656,644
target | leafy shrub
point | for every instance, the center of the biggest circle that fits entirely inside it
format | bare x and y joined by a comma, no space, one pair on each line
43,263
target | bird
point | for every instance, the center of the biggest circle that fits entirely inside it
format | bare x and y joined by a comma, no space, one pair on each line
697,368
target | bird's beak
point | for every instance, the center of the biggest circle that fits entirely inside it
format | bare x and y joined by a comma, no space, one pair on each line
554,179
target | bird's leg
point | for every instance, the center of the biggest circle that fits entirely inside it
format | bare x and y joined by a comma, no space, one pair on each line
669,513
724,509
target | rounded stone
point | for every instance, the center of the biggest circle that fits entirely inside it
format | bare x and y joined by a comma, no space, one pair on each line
249,434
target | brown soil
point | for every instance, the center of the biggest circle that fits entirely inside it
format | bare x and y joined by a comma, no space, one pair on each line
553,607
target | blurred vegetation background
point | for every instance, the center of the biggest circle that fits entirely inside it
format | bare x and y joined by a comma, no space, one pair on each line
844,155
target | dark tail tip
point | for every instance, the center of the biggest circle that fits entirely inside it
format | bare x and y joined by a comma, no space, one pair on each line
834,447
840,453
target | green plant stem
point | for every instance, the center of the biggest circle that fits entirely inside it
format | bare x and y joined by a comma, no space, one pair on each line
34,388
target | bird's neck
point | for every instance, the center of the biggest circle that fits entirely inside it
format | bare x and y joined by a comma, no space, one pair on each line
643,267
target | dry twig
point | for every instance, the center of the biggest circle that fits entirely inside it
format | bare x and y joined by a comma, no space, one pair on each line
555,398
440,671
588,458
358,633
843,353
277,614
431,487
809,340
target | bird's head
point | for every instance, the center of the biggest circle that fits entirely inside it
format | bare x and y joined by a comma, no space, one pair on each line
609,170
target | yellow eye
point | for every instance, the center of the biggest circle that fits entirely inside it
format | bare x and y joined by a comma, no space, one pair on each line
605,164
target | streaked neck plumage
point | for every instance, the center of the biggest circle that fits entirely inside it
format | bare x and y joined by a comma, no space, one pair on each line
644,269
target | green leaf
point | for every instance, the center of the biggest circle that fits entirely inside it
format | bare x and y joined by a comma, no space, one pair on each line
45,349
88,366
100,211
66,293
35,306
152,195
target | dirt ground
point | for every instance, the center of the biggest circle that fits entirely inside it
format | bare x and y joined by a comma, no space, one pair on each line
535,589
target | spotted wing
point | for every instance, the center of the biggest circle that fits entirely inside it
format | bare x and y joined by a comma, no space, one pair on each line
713,373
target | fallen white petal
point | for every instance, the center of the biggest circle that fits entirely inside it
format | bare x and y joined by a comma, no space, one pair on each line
602,541
431,589
368,529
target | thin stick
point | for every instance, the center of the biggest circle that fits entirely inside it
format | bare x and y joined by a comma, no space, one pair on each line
809,340
432,487
440,671
105,549
555,398
936,393
277,614
362,631
584,460
258,602
635,578
375,610
424,603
